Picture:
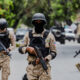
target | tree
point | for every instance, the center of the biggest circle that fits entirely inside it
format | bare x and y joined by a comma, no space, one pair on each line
21,11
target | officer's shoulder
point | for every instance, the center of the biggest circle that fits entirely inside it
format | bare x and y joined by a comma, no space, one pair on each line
48,32
10,32
27,33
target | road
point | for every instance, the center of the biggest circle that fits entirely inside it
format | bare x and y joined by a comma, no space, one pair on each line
63,66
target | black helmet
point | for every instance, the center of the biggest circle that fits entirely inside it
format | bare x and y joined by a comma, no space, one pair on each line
39,16
3,23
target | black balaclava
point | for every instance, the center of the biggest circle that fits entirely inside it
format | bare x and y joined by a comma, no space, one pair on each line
39,27
4,34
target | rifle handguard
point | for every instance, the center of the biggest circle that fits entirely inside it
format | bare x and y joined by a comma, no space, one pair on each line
77,53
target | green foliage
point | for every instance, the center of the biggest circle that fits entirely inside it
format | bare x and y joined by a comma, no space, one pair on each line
5,10
21,11
2,11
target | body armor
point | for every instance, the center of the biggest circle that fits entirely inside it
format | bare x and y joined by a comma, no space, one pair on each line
39,42
4,38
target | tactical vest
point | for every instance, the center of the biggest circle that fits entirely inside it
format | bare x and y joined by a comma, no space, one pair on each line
39,42
5,39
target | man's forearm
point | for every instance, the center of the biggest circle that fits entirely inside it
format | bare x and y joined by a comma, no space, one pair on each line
51,56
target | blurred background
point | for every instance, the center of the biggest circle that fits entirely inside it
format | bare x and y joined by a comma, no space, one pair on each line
63,19
63,16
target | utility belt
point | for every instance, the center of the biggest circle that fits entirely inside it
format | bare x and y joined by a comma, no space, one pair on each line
34,63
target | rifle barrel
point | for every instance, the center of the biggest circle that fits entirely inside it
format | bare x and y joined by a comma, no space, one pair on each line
77,53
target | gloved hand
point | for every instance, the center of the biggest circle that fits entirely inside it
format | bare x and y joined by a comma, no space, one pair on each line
9,49
31,50
4,52
46,59
38,60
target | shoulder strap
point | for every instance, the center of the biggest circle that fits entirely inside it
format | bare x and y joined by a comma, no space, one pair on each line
46,34
30,34
8,32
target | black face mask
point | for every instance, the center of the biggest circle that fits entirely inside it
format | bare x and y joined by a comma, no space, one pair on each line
3,34
39,27
2,28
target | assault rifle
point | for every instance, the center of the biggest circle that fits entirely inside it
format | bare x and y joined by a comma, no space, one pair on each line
4,48
42,61
77,53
